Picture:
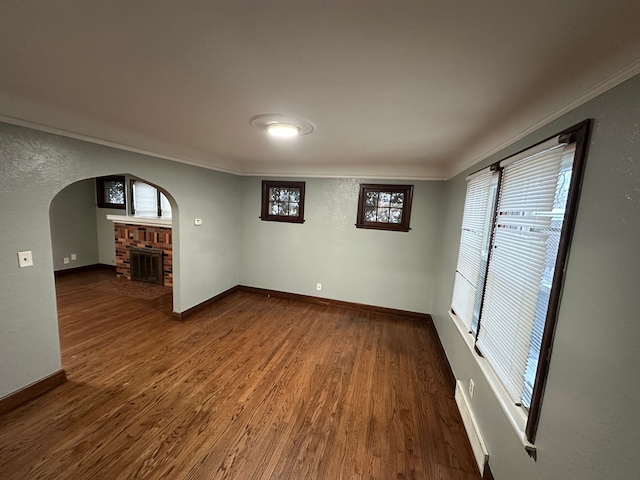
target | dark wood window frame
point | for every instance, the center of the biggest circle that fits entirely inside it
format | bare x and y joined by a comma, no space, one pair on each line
100,191
265,214
403,226
578,134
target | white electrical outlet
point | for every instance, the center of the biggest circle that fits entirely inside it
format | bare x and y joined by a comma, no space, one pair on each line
197,222
65,260
318,286
472,388
73,257
25,259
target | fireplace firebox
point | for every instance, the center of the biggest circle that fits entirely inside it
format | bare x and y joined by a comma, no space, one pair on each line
146,265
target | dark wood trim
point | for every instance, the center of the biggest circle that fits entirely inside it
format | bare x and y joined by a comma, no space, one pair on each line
492,237
403,226
487,475
132,203
580,133
181,316
158,203
100,181
329,302
265,215
15,399
443,354
93,266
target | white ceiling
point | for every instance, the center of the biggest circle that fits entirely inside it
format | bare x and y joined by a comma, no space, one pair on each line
398,89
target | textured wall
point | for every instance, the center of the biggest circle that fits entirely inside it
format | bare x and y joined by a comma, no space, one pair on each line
389,269
34,168
73,226
589,426
106,244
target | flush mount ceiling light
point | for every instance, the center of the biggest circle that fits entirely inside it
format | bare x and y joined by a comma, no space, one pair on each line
282,126
284,130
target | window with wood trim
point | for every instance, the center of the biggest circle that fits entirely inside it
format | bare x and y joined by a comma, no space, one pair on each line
111,192
516,231
282,201
384,207
148,201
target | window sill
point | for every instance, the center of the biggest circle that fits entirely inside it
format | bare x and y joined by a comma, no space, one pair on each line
390,227
517,416
273,218
149,221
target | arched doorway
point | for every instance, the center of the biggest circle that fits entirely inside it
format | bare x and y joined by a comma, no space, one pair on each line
94,224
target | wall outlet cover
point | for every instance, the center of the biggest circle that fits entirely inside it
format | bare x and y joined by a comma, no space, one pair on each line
25,259
74,256
65,260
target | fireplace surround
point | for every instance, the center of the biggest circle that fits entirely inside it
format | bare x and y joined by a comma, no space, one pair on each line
131,236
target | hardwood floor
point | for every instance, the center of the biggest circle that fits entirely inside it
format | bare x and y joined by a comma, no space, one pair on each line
250,388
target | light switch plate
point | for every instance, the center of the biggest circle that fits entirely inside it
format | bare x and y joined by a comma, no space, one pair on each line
197,221
25,259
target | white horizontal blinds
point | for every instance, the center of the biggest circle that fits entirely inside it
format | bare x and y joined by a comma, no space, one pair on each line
519,260
165,206
469,279
145,200
553,244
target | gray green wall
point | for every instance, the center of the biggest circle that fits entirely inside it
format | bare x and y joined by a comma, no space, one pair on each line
589,426
389,269
106,235
73,226
35,167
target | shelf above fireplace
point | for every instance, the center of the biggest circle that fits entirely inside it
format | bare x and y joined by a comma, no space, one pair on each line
150,221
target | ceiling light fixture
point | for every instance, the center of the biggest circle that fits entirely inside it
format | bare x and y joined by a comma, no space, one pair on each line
283,130
282,126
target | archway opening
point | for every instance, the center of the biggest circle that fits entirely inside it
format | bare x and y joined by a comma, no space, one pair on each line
95,226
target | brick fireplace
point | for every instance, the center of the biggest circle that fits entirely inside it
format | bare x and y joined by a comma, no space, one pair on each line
143,236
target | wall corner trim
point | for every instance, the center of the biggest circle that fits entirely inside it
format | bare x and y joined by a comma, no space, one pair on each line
181,316
24,395
328,302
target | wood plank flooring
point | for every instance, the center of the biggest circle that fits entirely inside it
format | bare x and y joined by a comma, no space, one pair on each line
250,388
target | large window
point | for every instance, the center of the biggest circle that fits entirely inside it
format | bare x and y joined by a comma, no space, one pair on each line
148,201
516,230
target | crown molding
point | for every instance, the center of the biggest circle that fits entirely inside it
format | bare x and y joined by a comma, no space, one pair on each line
108,143
600,88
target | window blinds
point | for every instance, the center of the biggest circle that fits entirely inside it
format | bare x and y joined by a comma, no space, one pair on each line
145,200
514,298
165,206
476,219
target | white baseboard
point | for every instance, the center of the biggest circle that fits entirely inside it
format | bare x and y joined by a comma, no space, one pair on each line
473,432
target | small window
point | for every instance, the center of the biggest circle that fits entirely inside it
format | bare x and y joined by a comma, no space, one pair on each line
110,191
148,201
283,201
384,207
